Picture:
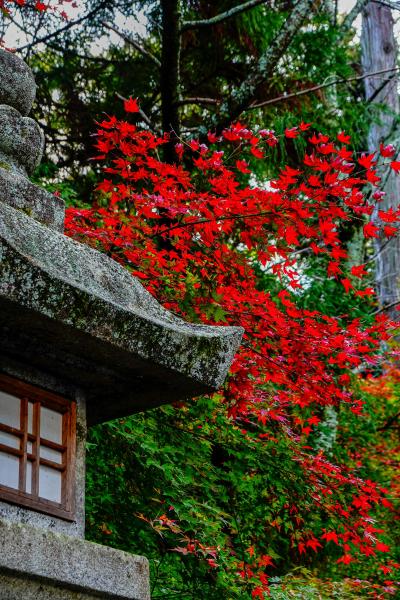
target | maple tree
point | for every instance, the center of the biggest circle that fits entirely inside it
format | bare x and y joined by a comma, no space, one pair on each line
197,232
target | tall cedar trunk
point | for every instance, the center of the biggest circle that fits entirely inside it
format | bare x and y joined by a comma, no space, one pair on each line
170,78
379,51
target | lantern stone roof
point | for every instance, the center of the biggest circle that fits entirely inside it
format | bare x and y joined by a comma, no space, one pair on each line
72,310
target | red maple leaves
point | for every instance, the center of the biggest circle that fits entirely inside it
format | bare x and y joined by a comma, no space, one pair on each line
55,6
131,105
198,232
195,227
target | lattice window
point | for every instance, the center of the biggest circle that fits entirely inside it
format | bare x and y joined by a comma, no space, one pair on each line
37,448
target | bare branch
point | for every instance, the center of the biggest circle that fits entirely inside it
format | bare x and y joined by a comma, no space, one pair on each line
134,43
392,5
66,27
170,73
222,16
315,88
379,89
352,15
197,101
98,59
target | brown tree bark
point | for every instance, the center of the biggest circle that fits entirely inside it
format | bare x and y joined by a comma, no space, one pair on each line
379,51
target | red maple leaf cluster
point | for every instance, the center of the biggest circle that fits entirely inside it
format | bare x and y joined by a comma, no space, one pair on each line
199,231
7,6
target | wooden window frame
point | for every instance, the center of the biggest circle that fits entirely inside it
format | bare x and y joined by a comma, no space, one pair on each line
26,392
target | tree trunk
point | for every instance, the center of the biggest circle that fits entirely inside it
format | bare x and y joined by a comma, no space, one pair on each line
379,51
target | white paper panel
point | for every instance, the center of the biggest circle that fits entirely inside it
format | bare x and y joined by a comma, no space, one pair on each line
30,417
51,425
29,447
28,477
9,440
49,484
10,410
9,470
50,454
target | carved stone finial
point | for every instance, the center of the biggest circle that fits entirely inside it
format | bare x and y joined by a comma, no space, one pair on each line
21,139
17,83
22,144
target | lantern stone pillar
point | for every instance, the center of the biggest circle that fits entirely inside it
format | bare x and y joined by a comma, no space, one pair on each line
81,342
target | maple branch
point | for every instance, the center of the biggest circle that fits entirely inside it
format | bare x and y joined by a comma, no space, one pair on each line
66,27
289,257
384,308
133,42
319,87
202,221
232,12
223,218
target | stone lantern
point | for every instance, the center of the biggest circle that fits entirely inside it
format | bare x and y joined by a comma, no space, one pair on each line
81,342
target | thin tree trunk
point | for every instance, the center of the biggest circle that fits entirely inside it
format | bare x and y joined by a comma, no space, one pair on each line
379,51
170,77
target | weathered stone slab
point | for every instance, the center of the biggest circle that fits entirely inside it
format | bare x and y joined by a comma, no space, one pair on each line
16,588
78,303
50,565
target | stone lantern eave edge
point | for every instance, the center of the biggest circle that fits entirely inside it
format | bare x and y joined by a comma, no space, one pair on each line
90,307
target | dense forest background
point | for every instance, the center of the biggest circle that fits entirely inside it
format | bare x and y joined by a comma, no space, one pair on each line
187,485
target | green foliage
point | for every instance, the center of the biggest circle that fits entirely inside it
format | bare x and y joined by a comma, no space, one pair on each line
192,464
163,479
224,489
